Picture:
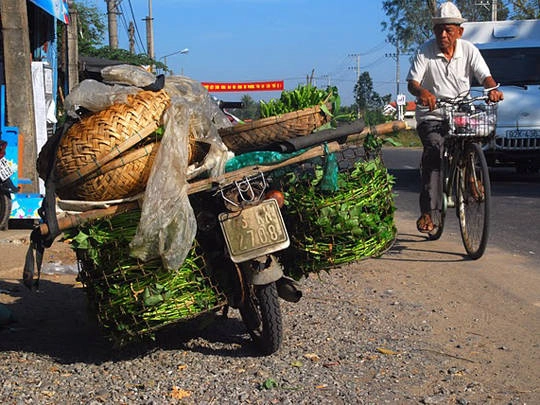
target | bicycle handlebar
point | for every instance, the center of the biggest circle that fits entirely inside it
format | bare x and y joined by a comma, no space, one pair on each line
460,100
464,100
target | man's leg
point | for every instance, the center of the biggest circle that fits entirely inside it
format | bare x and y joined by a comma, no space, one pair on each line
430,193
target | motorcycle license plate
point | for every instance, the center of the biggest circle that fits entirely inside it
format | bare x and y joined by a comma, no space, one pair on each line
5,169
254,231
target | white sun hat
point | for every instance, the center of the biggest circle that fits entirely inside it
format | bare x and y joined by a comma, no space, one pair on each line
448,13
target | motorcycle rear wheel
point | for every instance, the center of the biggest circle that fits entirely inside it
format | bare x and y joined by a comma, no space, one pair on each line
5,211
262,316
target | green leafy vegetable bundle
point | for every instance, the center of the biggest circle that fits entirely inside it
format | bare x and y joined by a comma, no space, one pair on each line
304,96
133,299
329,229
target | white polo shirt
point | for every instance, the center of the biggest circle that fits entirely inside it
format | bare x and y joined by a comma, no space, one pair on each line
443,78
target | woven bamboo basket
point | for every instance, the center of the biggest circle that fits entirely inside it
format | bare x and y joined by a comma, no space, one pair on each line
261,133
109,154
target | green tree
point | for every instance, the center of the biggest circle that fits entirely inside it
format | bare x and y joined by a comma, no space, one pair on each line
92,28
526,9
366,98
474,12
409,21
250,111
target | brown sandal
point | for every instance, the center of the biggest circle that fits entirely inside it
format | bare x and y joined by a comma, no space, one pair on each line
424,224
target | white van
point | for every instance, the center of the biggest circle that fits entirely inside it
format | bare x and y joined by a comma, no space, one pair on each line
512,51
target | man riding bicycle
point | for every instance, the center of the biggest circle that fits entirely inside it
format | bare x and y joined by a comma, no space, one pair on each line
443,67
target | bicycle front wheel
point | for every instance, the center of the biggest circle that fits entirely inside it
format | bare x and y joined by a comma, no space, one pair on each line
474,197
446,180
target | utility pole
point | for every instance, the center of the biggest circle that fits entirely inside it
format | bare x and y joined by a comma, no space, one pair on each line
493,10
396,57
18,81
131,33
357,68
112,11
150,31
72,51
327,77
486,4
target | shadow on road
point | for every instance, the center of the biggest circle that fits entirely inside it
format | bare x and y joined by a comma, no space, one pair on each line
406,179
403,243
55,322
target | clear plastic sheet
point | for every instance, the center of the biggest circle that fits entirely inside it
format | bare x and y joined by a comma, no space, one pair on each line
95,96
128,74
205,119
168,226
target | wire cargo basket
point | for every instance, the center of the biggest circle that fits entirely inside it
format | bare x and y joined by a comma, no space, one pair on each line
258,134
479,121
132,299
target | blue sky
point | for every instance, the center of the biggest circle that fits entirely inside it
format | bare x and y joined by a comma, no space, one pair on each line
258,40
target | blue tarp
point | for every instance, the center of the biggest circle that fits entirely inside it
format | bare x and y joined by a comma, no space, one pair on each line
56,8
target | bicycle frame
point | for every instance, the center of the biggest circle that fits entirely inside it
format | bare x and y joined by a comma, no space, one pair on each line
451,163
464,173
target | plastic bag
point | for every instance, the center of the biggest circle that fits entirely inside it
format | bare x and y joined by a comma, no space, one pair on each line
95,96
168,226
128,74
205,120
329,182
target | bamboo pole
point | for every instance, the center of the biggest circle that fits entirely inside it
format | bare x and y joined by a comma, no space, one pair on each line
73,220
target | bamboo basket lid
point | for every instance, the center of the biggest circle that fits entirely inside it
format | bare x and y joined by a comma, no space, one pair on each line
92,143
266,131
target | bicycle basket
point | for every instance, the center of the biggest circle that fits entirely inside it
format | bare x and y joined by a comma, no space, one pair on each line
478,121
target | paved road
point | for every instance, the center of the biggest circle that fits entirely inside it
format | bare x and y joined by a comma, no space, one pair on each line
515,217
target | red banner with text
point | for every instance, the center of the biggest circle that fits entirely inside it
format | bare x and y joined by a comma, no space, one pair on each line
275,85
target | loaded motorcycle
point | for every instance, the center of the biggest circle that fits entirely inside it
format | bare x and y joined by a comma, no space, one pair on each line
240,226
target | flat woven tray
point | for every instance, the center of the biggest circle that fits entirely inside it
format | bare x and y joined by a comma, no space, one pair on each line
257,135
90,165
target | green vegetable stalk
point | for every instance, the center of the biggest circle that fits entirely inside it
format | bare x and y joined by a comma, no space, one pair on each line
304,96
132,299
333,229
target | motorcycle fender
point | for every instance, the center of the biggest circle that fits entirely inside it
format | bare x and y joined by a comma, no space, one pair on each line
269,270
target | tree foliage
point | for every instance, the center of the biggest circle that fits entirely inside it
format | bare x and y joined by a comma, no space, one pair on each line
408,22
91,33
526,9
91,26
250,111
366,98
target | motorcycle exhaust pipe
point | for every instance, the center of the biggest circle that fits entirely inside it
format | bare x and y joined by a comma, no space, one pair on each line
287,289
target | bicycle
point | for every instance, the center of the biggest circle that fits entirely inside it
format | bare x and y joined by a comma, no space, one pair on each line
464,171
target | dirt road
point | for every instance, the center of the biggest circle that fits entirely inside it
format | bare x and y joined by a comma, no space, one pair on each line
453,330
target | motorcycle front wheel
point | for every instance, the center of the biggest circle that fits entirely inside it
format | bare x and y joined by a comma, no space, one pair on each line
261,314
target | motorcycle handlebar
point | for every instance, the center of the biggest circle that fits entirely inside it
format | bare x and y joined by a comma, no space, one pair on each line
231,104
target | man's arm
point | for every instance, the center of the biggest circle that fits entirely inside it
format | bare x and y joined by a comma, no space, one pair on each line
423,96
494,95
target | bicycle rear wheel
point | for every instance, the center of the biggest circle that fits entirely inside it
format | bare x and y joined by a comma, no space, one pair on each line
474,198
